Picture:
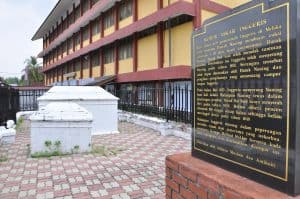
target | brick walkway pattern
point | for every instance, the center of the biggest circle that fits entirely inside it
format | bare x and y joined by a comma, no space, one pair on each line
138,171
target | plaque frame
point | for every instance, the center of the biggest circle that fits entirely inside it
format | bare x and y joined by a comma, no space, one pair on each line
290,182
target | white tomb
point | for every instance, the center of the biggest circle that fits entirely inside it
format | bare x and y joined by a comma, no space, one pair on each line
68,123
102,105
7,136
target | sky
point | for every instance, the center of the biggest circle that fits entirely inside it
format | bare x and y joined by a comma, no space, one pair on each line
19,20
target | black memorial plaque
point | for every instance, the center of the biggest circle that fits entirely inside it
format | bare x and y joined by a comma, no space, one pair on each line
246,87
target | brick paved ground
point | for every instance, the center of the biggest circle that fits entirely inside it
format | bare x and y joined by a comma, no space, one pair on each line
136,172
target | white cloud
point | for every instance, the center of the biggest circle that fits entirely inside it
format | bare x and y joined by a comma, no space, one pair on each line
19,20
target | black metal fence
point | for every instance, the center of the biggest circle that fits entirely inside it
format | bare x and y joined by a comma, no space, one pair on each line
9,103
15,99
169,103
28,97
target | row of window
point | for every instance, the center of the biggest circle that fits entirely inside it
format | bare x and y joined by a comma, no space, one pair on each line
70,19
125,10
124,51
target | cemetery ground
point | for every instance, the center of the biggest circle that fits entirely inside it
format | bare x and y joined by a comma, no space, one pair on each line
125,165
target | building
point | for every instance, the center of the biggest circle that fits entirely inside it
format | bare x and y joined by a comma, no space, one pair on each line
123,44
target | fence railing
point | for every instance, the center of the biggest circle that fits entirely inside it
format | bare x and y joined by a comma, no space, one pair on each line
169,103
28,97
9,103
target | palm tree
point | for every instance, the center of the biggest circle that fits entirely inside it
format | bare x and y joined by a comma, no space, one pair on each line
32,72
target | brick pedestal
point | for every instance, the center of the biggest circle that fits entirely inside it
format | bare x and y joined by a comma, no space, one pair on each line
190,178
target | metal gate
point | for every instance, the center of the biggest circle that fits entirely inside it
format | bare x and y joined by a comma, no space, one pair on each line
9,103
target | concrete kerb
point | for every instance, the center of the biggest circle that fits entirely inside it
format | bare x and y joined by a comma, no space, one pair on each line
165,128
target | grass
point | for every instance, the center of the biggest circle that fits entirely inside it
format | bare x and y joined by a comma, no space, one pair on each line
47,154
96,150
105,151
3,158
50,152
19,123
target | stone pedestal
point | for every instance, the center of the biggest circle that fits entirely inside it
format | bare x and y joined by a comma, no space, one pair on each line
191,178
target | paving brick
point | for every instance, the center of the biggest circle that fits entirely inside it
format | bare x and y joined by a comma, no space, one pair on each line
137,172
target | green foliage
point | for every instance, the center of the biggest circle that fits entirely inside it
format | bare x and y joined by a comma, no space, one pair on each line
57,144
12,80
32,68
75,149
51,151
3,158
47,154
55,151
19,123
48,144
105,151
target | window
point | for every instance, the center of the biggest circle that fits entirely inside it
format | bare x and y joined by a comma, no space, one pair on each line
125,10
108,56
77,40
70,44
146,96
85,62
96,27
85,6
61,50
77,13
125,51
71,18
64,47
85,34
64,24
109,20
95,60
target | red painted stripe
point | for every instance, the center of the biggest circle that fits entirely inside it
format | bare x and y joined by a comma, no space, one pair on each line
135,10
90,66
116,53
175,72
160,45
135,56
198,17
180,7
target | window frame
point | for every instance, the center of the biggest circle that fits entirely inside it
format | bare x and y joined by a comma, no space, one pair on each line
109,56
109,20
125,50
85,34
96,24
125,10
95,59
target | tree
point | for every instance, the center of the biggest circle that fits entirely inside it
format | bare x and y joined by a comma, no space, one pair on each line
32,73
11,80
